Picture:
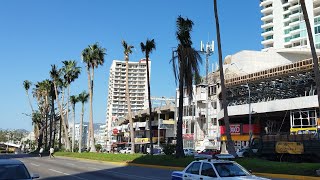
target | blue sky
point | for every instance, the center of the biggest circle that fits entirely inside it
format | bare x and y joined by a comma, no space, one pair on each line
35,34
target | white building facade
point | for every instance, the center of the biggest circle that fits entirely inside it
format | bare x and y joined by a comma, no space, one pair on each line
283,24
138,87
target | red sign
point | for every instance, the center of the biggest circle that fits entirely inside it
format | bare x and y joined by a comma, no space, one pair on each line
235,129
187,136
115,131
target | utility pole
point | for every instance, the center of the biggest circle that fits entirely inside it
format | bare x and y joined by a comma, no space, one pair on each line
208,52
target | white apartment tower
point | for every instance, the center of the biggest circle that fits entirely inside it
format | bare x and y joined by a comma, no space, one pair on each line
283,24
138,88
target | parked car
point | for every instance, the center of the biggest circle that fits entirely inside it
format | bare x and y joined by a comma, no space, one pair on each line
14,170
189,152
214,169
156,150
206,153
126,150
243,152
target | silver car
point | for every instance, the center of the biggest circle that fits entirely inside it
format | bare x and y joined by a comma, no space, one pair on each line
14,170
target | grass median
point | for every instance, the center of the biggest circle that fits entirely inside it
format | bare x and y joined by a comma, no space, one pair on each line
254,164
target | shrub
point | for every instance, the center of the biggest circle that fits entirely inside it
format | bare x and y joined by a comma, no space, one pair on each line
169,149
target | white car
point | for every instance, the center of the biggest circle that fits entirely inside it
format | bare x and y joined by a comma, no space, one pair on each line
189,152
214,169
126,150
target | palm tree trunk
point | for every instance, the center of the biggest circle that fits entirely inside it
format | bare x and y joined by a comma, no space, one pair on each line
89,87
150,106
51,120
179,147
29,101
92,147
62,118
73,127
81,128
129,108
54,130
67,121
230,144
313,50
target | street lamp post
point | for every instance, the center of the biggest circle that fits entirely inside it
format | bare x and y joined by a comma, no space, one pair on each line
249,102
208,52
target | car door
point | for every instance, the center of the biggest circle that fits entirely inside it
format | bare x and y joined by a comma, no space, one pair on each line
207,172
192,172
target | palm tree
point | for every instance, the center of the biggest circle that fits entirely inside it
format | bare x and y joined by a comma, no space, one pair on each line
93,56
57,81
313,50
26,85
127,51
185,67
83,98
70,73
230,145
147,49
73,100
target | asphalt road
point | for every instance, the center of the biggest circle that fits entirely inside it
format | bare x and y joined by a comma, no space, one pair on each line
70,169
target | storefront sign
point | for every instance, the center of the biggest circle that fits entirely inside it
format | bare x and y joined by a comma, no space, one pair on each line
235,129
289,147
188,136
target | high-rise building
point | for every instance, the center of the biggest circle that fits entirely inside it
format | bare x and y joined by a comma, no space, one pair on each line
283,25
138,88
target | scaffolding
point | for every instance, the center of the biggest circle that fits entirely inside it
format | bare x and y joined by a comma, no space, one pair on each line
288,69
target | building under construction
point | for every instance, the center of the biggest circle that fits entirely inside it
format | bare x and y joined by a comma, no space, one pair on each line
276,90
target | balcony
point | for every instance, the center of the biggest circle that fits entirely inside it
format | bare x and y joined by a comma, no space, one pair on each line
267,25
265,2
294,7
267,9
267,17
267,41
267,33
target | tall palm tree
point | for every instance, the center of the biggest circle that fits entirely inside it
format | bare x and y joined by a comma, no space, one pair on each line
230,145
57,81
93,57
70,73
83,98
185,66
147,49
73,100
127,51
313,50
26,85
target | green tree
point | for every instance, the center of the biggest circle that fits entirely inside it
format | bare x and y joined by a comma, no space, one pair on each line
70,72
147,48
93,57
230,145
127,51
58,82
73,100
185,67
83,98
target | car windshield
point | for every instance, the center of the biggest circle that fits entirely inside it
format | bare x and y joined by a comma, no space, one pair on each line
230,170
13,172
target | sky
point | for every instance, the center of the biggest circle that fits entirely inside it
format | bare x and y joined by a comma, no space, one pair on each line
36,34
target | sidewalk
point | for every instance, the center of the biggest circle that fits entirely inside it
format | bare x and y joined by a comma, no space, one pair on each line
267,175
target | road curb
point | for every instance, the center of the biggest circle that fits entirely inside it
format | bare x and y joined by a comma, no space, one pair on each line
269,175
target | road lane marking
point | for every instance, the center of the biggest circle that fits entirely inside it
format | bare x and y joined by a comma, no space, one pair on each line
67,174
34,164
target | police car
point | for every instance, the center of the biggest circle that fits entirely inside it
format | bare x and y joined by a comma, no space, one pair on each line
214,169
